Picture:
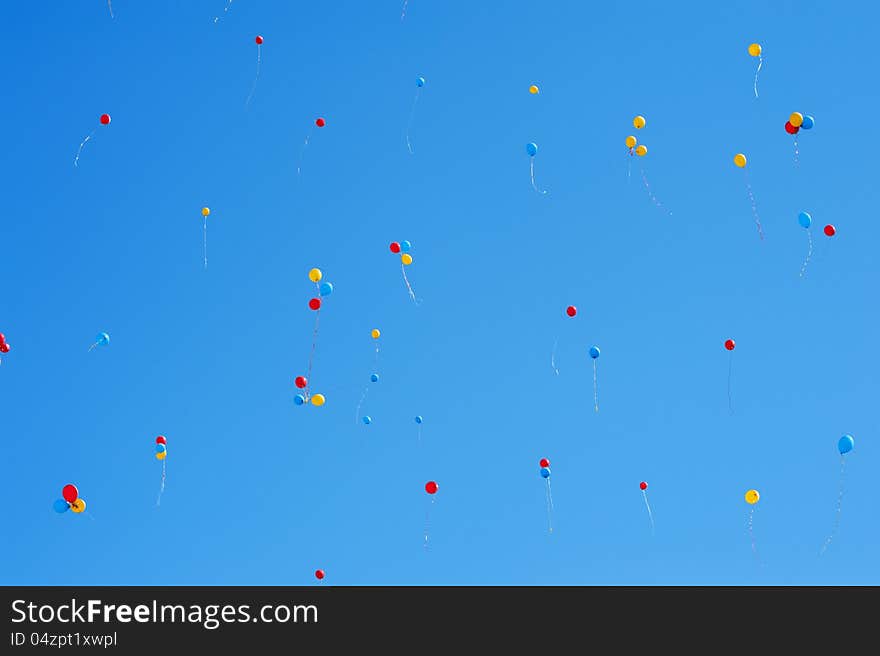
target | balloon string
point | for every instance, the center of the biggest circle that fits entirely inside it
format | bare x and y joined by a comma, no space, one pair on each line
403,13
312,353
651,193
839,507
409,123
553,357
629,166
256,77
754,206
92,346
595,386
81,146
797,152
729,373
549,506
760,63
225,9
110,6
428,522
357,412
409,288
532,175
752,532
302,152
162,488
809,253
650,514
420,434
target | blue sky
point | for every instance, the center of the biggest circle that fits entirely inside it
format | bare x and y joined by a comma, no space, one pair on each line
260,491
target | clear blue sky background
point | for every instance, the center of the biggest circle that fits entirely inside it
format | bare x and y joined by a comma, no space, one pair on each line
260,491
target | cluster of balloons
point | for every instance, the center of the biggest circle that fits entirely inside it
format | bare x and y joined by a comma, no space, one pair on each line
4,347
70,500
631,142
403,248
161,447
797,121
324,288
316,399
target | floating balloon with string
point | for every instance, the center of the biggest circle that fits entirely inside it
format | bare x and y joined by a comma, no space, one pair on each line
419,421
740,161
323,289
420,83
643,486
805,221
531,151
161,454
259,41
374,378
570,312
431,488
755,50
206,212
594,354
70,500
729,344
544,469
319,123
102,339
752,497
403,248
844,445
103,119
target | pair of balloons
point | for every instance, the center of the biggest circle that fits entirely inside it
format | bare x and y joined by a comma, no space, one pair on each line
805,221
70,500
161,447
403,248
641,150
544,464
317,399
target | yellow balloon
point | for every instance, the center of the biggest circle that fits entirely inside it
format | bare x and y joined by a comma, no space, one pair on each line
406,258
639,122
318,400
752,497
78,506
206,211
796,119
374,333
631,142
740,160
755,50
642,150
161,456
315,275
533,89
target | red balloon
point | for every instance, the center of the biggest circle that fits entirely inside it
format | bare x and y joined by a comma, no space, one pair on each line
300,381
544,462
431,487
319,574
2,338
829,230
643,485
105,119
320,123
4,347
790,128
571,310
729,344
315,303
70,493
161,440
395,247
259,40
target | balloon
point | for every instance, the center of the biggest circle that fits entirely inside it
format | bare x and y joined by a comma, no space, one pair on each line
161,440
61,506
532,149
641,150
299,399
78,506
431,487
315,304
406,258
829,230
571,310
2,338
395,247
318,400
374,333
533,89
367,419
740,160
105,119
808,123
315,275
755,50
103,339
730,345
320,122
545,472
70,493
206,211
259,40
420,81
752,497
805,219
326,288
161,448
631,142
643,485
374,378
405,246
639,122
300,381
319,574
796,119
161,456
419,419
594,352
845,444
790,128
544,462
4,347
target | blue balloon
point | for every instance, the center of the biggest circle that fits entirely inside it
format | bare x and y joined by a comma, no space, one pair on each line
103,339
420,81
805,219
374,378
545,473
405,246
594,352
368,419
326,288
532,149
61,506
845,444
160,448
808,122
419,419
299,399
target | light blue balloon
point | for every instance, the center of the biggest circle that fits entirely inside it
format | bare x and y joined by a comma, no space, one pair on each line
808,123
420,81
368,419
419,419
545,473
299,399
845,444
61,506
805,219
532,149
405,246
326,288
374,378
160,448
103,339
594,352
